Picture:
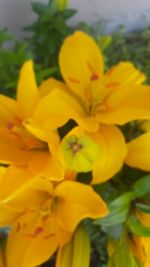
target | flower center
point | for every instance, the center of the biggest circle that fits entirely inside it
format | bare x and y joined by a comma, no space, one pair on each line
75,147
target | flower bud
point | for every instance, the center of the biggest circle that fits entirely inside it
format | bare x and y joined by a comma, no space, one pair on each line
61,4
79,152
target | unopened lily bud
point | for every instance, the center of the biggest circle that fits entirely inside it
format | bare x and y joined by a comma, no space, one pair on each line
81,248
76,253
64,255
61,4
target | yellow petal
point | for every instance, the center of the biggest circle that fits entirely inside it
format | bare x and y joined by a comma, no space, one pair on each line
51,137
48,85
8,216
81,62
123,74
13,178
139,152
30,195
25,249
112,153
11,149
56,108
47,166
126,104
8,110
27,92
77,201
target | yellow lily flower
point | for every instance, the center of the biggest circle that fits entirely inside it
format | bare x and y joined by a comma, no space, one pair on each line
43,216
17,144
94,99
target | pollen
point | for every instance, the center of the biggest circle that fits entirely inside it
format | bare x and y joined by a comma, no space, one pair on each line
75,147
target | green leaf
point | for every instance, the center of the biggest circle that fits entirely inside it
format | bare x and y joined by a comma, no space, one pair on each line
39,7
60,26
45,73
143,207
68,13
137,227
118,210
142,186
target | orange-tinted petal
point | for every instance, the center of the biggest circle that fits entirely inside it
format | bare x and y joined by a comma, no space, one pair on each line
27,92
31,195
51,137
77,201
126,104
11,149
139,152
47,166
112,153
81,63
30,246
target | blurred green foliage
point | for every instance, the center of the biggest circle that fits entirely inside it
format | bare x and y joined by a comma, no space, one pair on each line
48,32
12,56
134,47
46,35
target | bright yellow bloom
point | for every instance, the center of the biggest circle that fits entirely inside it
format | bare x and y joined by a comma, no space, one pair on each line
43,216
17,144
94,99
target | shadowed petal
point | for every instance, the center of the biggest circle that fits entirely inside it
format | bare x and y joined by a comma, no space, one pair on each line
112,153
